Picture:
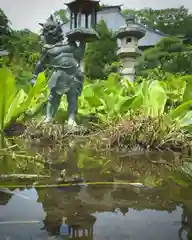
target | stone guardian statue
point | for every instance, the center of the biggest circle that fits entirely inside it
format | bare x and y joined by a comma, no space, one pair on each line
63,57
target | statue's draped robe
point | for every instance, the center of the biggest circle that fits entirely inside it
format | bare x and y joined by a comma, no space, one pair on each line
64,59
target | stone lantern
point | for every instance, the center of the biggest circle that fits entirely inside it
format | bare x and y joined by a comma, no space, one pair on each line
128,52
83,19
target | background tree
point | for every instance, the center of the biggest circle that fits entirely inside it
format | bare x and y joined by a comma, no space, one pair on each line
173,21
5,30
26,48
170,55
100,53
62,14
25,43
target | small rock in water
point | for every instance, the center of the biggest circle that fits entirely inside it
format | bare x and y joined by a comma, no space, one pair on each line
72,180
137,184
140,185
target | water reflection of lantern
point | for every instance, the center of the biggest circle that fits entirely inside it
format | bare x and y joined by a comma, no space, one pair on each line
81,226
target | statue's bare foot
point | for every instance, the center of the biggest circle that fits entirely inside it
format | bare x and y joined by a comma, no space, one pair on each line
73,127
47,120
43,121
72,123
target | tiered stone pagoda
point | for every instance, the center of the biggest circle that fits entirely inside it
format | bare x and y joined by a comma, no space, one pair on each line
83,19
128,51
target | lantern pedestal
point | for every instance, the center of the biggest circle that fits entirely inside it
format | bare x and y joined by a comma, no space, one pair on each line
82,34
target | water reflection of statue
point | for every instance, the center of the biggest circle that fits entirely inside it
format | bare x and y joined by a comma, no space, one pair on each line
67,215
63,57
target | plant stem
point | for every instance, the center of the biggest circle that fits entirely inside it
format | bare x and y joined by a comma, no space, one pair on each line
3,114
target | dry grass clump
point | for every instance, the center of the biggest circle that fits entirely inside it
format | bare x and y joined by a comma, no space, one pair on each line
146,133
135,132
51,133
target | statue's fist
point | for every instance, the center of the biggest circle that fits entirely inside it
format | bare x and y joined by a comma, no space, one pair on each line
33,80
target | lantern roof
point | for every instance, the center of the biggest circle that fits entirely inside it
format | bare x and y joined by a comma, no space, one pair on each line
131,28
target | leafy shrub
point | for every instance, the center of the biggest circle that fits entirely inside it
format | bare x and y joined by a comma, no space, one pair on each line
111,68
100,53
15,102
170,55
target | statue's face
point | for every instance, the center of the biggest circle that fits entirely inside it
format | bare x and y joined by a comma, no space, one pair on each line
52,33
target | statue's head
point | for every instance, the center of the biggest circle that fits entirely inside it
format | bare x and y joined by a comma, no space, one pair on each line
52,31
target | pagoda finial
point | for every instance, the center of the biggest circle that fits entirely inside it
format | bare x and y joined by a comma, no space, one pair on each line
130,18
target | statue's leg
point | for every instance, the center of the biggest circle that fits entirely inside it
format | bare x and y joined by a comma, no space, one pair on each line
53,104
72,99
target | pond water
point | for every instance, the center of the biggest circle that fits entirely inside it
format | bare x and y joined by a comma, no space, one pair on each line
159,210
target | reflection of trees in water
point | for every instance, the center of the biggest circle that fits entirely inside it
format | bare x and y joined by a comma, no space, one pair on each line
186,220
71,208
75,206
135,166
69,213
149,169
98,192
143,198
4,198
109,166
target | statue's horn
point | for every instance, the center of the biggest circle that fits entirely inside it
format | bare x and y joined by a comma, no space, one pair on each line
41,24
51,17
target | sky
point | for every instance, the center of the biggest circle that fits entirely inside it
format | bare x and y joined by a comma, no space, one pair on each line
28,13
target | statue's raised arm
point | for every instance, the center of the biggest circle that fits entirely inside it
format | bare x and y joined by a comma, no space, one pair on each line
78,51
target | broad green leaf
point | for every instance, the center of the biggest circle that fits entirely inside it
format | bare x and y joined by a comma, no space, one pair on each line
154,99
88,92
13,110
8,92
180,111
188,91
13,102
186,121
